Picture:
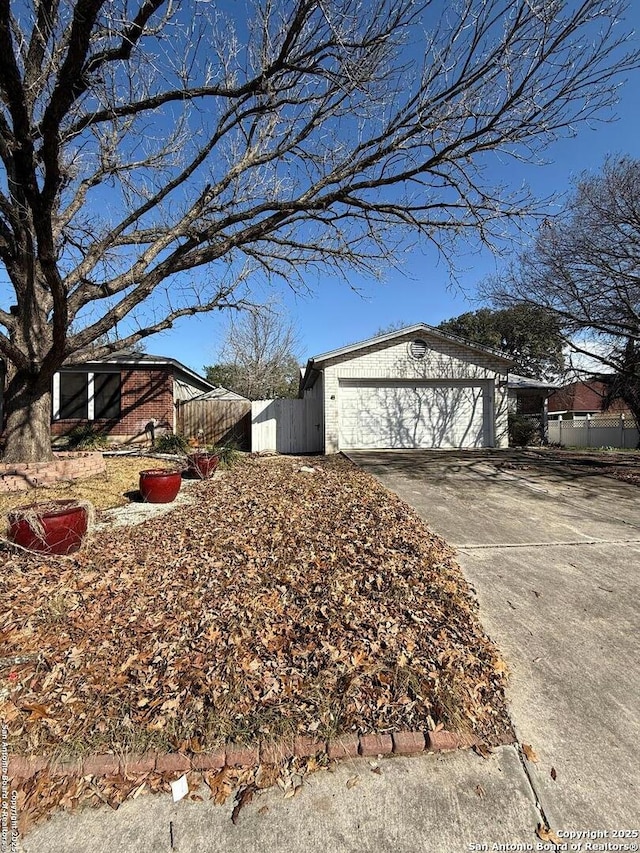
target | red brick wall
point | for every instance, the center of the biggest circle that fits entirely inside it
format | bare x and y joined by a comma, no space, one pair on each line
145,395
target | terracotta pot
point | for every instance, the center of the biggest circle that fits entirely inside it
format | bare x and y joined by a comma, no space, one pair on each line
57,527
159,486
203,465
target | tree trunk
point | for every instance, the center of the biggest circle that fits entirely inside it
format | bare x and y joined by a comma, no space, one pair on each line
27,432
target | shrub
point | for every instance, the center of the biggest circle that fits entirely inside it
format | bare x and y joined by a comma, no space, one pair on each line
169,442
522,431
228,453
86,437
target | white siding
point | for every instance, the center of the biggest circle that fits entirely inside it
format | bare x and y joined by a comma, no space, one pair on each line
445,361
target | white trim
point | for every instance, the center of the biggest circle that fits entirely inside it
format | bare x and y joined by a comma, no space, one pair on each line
56,396
91,403
176,403
415,330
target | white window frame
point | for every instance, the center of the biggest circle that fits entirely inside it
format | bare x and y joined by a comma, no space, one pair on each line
91,403
56,396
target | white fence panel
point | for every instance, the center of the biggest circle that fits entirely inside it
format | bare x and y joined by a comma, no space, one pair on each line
287,425
590,433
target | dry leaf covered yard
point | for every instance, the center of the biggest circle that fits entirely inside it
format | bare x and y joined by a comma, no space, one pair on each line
279,602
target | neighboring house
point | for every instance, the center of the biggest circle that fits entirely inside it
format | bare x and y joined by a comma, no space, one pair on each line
127,395
415,387
582,398
220,393
529,396
528,408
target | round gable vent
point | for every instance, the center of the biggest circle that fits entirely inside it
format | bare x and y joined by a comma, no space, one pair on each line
418,348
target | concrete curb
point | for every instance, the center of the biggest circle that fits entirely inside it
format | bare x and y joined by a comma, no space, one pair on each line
404,743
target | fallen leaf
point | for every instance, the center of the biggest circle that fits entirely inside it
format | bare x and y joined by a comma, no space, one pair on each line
547,834
480,791
500,666
38,712
353,781
529,752
243,797
482,750
553,774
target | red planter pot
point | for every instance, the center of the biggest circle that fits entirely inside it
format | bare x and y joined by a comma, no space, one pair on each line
203,465
57,527
159,486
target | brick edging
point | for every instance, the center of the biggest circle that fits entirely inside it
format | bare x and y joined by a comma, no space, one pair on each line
65,466
240,755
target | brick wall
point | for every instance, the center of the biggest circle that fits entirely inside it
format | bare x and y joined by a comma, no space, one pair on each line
146,395
444,360
584,397
16,477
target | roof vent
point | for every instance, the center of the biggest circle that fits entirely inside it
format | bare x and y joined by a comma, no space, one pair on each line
418,348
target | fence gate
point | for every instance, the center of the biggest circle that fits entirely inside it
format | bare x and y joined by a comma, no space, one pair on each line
287,425
216,421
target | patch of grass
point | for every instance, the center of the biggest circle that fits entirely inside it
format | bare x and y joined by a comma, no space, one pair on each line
56,608
103,490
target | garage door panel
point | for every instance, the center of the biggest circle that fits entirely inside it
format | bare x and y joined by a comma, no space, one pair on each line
400,416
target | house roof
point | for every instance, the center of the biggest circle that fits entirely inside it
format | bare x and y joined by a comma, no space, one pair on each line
316,362
220,393
145,359
521,383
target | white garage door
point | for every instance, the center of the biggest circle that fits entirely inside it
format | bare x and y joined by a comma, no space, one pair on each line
374,414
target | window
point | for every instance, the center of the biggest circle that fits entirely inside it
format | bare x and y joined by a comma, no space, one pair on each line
86,396
74,396
106,395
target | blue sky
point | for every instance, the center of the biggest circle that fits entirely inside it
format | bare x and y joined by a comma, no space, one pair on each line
421,289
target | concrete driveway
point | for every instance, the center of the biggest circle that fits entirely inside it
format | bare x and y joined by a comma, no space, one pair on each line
554,556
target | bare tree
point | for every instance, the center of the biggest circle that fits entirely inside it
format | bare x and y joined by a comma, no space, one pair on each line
258,357
142,140
584,266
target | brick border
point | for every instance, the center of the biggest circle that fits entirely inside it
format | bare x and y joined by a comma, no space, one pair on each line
405,743
66,466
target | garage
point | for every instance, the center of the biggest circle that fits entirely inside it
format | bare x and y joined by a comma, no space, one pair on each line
383,414
415,387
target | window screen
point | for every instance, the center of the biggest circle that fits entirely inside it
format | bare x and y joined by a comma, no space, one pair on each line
74,396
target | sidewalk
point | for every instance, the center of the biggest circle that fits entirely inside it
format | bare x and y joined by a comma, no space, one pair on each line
435,804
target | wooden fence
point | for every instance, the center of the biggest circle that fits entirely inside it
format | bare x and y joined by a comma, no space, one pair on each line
287,425
216,421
